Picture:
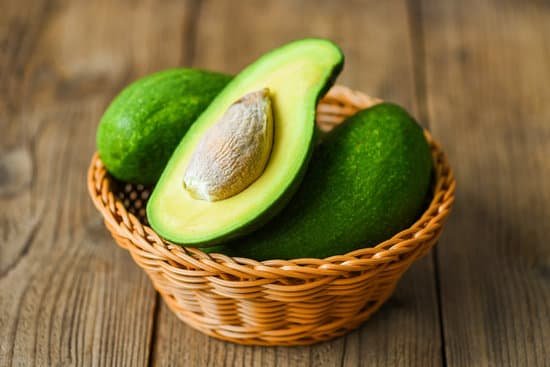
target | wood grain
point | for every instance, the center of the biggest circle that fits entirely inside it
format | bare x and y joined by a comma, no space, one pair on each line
68,295
487,92
406,331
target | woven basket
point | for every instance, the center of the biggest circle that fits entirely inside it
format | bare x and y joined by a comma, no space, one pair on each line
275,302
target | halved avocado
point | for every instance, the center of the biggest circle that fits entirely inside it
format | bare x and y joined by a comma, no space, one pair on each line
297,75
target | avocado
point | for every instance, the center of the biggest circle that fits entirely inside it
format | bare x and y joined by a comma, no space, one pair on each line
143,125
293,78
368,180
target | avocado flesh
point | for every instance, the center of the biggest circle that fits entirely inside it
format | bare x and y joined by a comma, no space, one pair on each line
145,122
296,74
367,181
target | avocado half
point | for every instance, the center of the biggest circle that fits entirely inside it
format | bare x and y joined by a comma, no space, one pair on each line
297,75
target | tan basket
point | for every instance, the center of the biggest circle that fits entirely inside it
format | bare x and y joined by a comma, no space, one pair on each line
274,302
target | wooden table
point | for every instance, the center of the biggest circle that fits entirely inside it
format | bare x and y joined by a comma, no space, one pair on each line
476,73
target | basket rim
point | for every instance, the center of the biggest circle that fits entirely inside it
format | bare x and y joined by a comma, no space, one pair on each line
151,246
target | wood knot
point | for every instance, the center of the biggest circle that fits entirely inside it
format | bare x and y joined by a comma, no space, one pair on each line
15,171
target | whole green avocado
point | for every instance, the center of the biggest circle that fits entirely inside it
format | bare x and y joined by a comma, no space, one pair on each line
145,122
368,180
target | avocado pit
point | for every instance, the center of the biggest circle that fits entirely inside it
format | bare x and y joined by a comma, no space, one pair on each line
234,152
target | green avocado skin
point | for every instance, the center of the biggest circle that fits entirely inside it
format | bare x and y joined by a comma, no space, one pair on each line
145,122
368,180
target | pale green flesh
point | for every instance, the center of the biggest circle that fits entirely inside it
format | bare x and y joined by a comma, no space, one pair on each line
294,75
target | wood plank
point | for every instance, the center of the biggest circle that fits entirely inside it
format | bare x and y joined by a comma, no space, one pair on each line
69,295
487,81
374,36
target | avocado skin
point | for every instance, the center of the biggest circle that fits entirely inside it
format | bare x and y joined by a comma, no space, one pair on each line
367,181
145,122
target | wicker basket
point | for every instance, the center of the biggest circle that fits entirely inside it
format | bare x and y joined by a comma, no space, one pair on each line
275,302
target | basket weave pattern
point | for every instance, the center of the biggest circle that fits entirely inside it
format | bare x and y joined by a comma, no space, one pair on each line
274,302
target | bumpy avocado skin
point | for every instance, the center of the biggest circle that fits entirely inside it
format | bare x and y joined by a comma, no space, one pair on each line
368,180
146,121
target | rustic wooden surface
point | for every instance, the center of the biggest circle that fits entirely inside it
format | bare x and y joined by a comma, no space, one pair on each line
476,73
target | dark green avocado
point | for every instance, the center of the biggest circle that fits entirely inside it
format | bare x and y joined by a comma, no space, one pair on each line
145,122
367,181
